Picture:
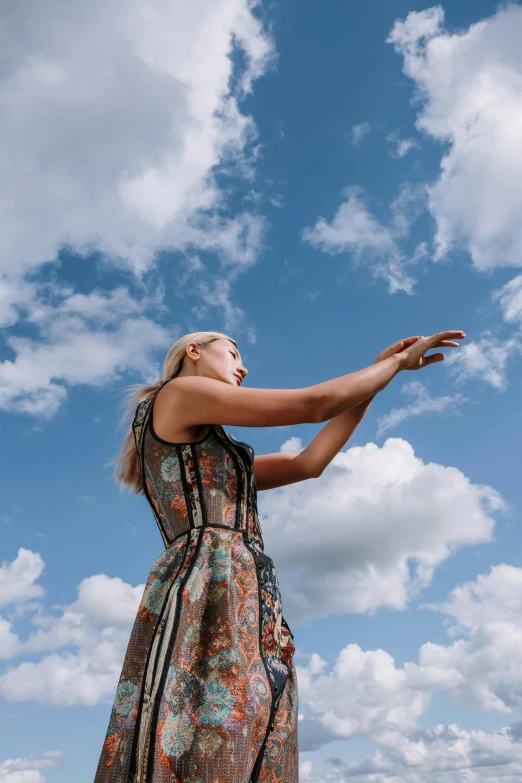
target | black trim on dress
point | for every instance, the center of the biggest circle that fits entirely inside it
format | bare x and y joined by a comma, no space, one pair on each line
166,665
137,728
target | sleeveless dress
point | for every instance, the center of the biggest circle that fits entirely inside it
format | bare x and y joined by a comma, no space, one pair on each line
208,688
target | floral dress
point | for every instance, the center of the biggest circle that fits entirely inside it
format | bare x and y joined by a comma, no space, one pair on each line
208,688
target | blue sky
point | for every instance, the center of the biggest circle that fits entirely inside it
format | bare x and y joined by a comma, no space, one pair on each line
318,181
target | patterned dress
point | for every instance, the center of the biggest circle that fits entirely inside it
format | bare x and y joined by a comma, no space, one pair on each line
208,688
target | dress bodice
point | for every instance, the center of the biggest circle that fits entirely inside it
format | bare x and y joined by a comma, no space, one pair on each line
189,485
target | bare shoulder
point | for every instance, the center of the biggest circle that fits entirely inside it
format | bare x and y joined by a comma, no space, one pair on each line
167,421
190,402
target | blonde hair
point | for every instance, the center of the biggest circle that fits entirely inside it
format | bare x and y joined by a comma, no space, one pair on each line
128,472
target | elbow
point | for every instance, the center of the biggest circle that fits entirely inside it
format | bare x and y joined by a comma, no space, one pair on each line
314,472
318,412
304,468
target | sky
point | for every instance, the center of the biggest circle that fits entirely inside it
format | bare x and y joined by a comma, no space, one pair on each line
317,180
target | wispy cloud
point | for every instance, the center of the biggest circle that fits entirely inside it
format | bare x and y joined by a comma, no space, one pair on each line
486,359
355,230
359,132
401,146
422,404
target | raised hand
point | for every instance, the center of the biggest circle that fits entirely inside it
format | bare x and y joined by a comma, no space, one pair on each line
411,355
395,348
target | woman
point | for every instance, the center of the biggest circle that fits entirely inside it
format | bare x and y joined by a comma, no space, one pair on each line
208,690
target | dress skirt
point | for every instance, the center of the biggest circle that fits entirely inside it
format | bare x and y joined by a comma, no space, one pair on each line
208,688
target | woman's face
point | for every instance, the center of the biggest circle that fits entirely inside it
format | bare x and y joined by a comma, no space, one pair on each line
219,359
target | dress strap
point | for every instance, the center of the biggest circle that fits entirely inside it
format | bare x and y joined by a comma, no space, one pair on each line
141,417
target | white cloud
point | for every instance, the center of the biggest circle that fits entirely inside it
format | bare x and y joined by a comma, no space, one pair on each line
9,641
509,297
372,529
401,147
87,677
355,230
486,665
81,649
15,294
359,132
29,769
70,350
481,669
363,695
117,119
292,445
423,403
486,359
468,87
352,227
17,579
444,754
123,134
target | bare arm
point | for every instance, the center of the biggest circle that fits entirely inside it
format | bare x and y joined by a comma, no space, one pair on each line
275,470
279,469
349,391
332,438
282,468
199,400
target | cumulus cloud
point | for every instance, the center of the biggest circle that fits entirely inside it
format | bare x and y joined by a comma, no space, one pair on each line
371,530
382,698
123,136
368,533
9,641
363,694
355,230
479,669
468,86
29,769
118,119
444,754
18,578
485,662
79,651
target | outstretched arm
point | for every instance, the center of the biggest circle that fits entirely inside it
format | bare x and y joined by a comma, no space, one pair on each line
279,469
282,468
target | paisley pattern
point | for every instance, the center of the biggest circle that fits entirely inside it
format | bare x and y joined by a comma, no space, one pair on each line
208,688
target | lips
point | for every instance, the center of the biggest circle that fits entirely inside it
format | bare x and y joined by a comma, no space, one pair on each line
239,378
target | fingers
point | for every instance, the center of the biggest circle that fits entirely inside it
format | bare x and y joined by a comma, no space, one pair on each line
449,334
402,344
434,357
395,347
448,343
